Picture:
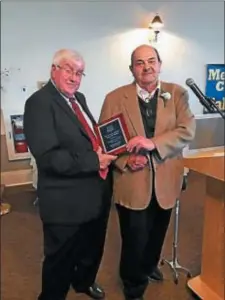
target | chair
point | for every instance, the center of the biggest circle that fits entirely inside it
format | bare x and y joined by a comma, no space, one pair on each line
5,208
34,176
174,264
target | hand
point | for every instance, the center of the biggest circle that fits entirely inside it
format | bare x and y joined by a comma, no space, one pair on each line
140,142
137,162
99,151
105,159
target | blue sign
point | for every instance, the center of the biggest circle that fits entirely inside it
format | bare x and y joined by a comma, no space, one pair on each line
215,78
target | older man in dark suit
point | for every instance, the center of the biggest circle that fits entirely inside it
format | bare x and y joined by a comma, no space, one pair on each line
74,183
148,178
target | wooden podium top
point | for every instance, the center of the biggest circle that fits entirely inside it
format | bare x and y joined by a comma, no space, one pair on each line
209,162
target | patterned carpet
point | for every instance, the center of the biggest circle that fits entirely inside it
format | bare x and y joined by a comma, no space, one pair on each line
21,248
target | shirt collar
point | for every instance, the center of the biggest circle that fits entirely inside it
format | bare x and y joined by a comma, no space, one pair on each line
145,95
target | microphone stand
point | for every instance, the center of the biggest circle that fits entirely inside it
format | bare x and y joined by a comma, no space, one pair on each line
213,107
174,263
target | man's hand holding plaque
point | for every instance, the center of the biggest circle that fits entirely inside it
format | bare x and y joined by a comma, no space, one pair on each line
105,159
138,143
113,135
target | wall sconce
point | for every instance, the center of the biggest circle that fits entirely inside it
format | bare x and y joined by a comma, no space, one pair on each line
155,27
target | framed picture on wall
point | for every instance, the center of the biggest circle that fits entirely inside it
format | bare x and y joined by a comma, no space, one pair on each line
15,138
215,89
2,124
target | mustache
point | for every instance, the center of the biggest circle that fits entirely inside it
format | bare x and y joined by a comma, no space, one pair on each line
72,82
147,71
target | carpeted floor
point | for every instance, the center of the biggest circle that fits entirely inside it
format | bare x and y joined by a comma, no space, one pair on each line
21,248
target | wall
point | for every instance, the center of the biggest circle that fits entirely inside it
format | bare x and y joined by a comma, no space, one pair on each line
105,33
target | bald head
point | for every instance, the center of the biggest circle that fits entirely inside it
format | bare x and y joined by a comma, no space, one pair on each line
142,48
145,66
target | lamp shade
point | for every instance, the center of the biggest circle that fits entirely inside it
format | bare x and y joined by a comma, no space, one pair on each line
157,22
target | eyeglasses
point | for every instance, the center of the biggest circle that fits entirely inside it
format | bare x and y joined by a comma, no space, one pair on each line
70,72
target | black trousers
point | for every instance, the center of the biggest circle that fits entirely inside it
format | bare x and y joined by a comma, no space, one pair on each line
143,233
73,254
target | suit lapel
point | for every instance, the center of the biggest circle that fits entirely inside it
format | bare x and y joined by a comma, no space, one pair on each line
161,113
132,108
85,108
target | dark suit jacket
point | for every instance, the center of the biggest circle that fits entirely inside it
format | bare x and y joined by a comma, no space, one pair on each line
69,187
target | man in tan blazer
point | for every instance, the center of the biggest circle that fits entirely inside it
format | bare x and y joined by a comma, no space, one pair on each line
148,177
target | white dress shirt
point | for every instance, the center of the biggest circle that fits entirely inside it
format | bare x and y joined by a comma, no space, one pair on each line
145,95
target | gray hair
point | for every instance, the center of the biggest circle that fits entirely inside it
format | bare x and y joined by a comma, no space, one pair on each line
66,54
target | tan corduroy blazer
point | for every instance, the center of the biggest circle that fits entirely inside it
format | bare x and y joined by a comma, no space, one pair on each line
175,128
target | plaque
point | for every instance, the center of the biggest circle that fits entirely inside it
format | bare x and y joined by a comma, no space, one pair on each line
113,135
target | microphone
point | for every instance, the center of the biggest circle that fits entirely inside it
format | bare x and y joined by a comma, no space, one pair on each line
202,98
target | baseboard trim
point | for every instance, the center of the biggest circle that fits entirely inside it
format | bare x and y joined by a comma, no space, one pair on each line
15,178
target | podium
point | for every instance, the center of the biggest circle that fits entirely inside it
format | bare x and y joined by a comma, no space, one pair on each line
209,285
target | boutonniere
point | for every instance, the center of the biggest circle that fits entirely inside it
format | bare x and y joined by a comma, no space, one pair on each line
165,96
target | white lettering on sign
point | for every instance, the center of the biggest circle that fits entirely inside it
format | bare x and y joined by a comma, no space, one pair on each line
221,104
216,74
220,86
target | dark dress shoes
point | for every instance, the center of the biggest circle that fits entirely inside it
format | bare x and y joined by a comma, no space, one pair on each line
156,275
95,292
